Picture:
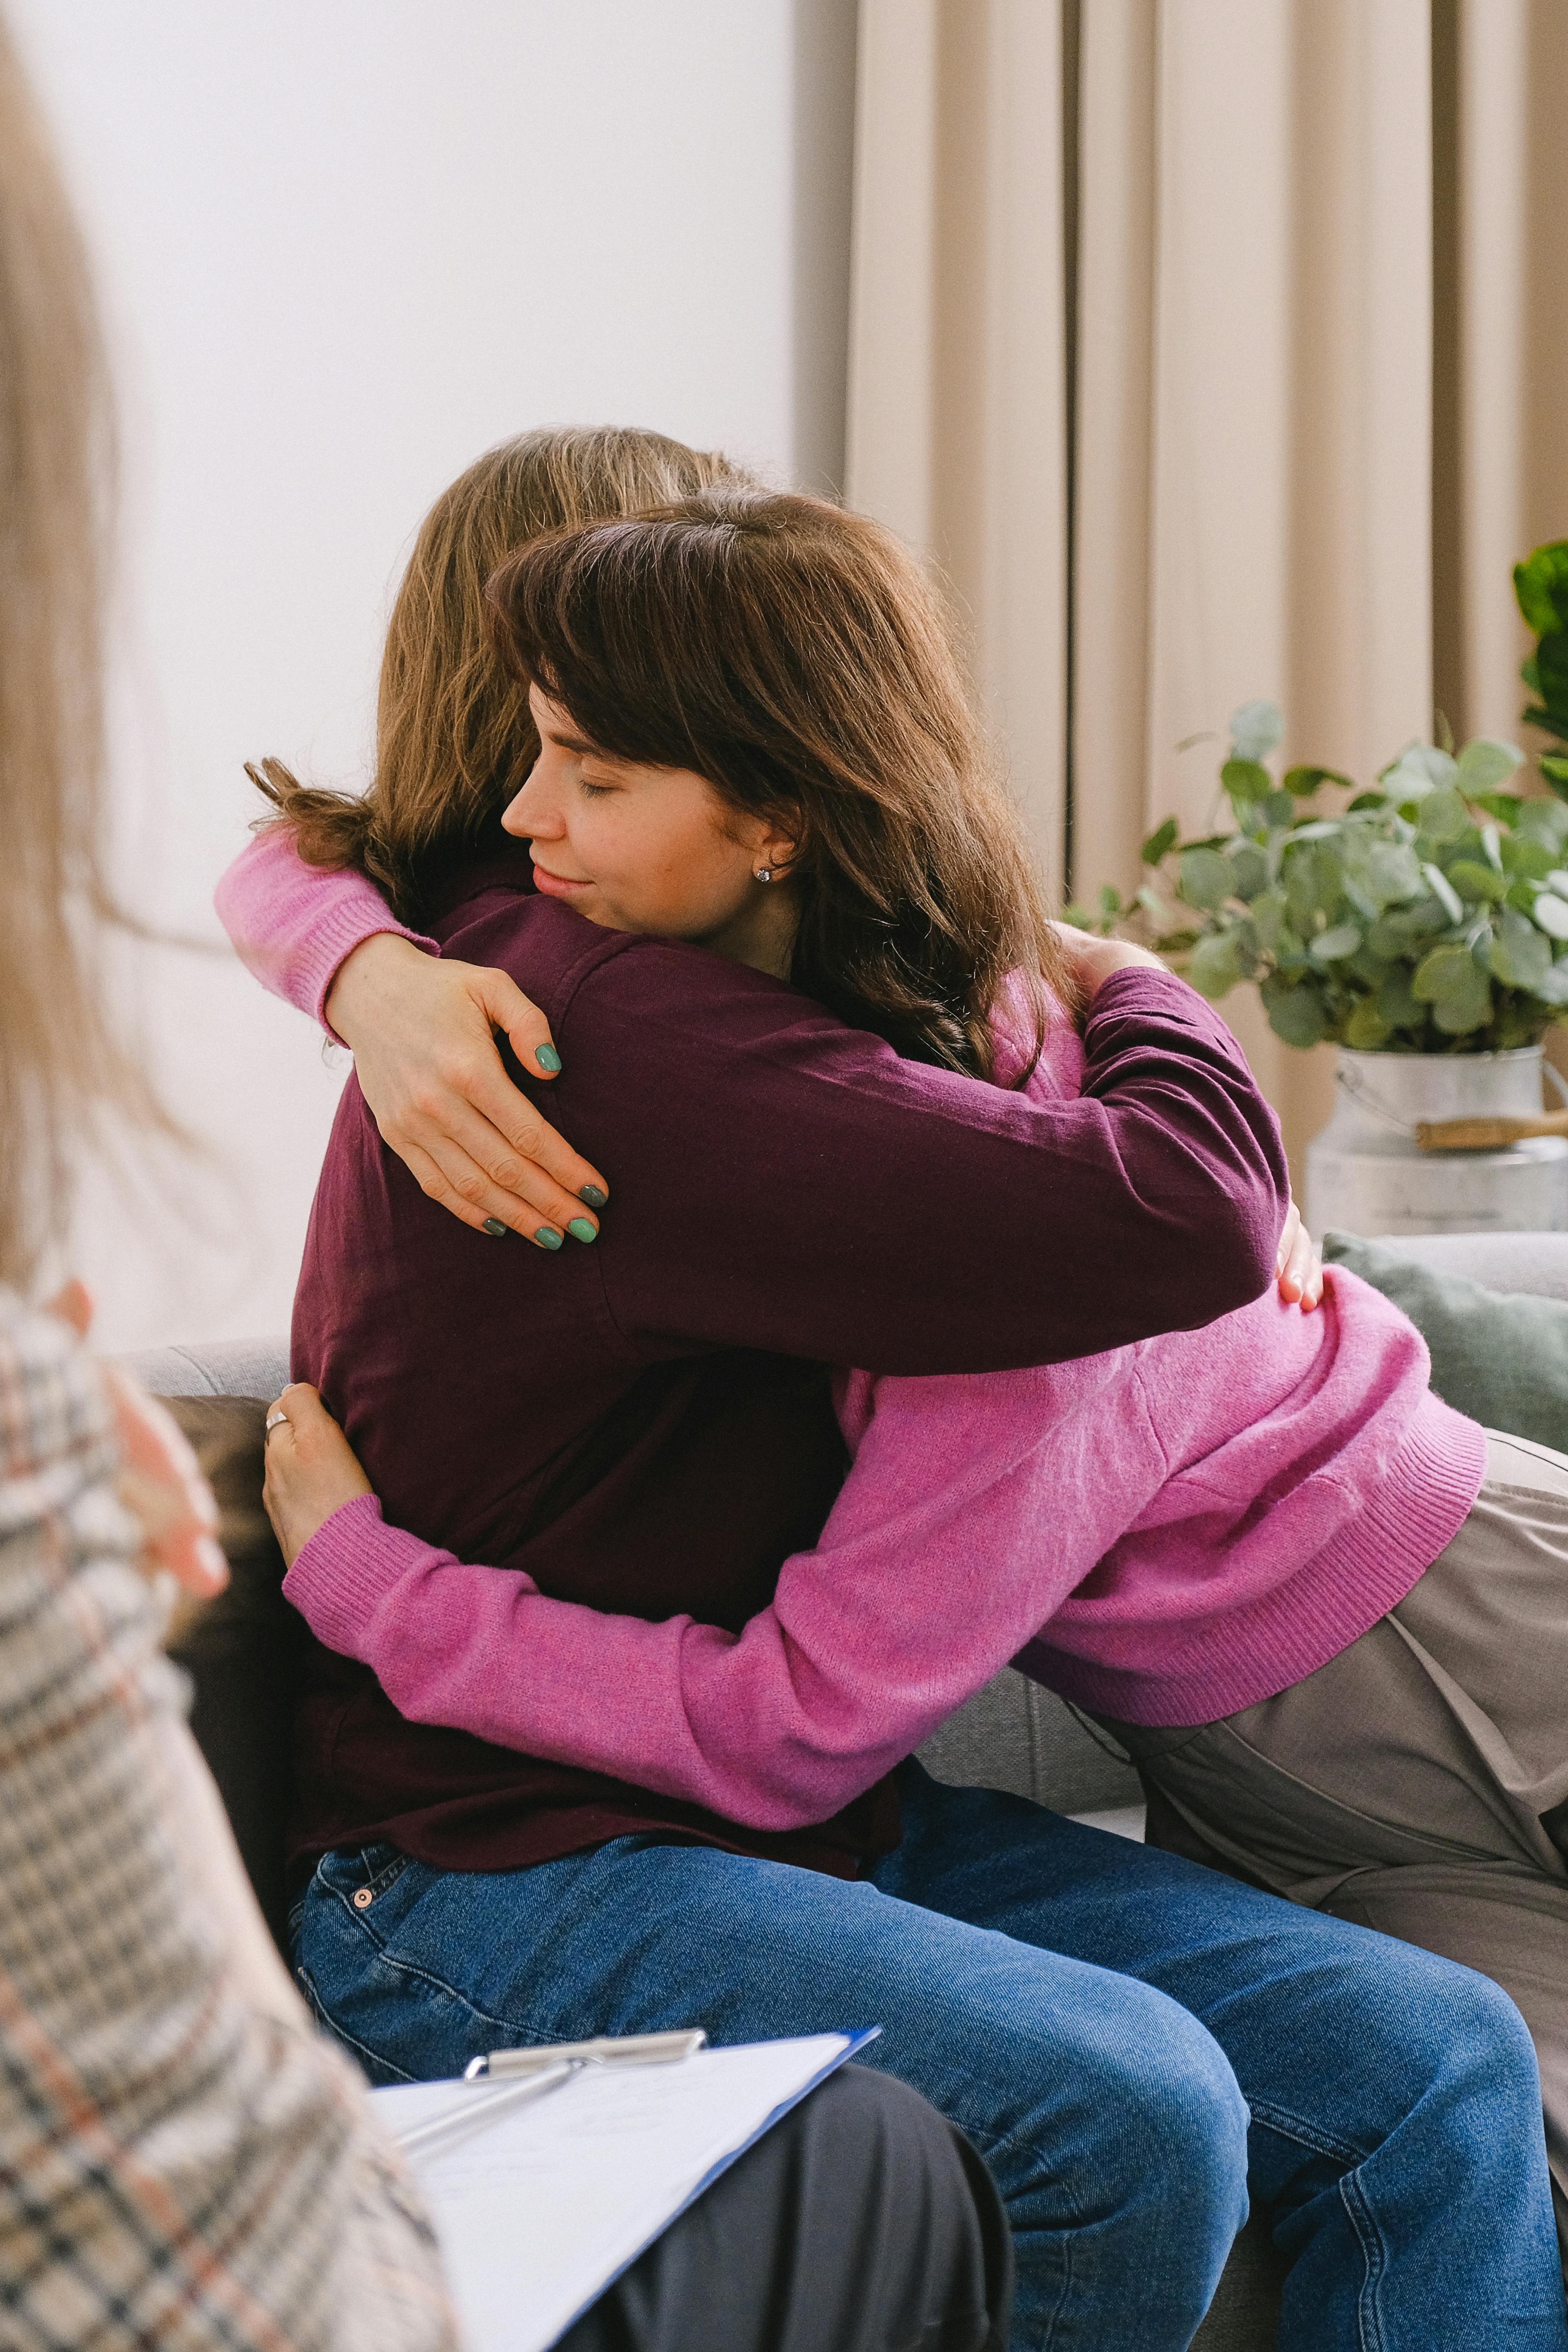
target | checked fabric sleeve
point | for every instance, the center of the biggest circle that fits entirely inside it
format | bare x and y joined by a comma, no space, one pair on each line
175,2169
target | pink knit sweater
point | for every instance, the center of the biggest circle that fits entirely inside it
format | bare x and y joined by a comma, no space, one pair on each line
1166,1533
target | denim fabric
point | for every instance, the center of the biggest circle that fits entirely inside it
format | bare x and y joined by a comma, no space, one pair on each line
1129,2040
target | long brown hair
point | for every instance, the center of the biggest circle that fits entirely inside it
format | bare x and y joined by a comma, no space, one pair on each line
454,741
60,1066
799,659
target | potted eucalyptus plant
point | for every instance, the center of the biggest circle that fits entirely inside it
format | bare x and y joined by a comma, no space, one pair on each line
1421,926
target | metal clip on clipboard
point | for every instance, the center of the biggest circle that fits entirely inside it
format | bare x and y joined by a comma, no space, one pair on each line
521,2076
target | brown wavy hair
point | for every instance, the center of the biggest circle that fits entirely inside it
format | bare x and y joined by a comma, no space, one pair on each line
454,741
800,660
61,1066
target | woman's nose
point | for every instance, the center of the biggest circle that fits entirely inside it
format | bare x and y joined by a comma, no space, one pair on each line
530,814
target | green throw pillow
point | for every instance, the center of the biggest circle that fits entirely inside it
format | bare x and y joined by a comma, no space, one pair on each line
1500,1356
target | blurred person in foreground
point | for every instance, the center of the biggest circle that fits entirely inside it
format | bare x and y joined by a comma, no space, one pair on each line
184,2161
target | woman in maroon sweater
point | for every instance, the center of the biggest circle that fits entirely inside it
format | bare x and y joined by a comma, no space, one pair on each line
756,751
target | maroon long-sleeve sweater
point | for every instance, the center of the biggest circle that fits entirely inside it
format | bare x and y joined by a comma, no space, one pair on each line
645,1424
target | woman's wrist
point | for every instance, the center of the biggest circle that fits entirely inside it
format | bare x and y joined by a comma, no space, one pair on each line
361,980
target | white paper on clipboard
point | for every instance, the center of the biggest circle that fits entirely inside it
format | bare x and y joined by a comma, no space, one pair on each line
541,2211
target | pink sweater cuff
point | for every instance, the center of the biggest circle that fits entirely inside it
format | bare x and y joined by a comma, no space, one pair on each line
292,925
350,1563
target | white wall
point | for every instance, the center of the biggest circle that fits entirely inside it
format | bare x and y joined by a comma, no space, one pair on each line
341,250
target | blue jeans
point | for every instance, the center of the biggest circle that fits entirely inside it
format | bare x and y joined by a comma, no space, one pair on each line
1129,2040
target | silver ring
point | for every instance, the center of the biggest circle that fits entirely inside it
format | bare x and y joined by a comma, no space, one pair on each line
276,1421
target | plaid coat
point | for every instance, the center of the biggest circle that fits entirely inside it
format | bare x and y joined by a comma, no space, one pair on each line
176,2170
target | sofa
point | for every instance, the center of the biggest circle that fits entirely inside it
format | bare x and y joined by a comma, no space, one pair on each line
1012,1735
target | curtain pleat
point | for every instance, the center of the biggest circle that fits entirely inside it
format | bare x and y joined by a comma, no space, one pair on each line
1257,493
957,402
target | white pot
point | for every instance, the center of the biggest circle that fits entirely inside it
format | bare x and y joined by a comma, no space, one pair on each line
1367,1174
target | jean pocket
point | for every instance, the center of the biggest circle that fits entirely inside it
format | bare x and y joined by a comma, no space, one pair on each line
361,1874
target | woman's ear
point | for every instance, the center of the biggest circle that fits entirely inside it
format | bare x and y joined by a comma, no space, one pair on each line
779,850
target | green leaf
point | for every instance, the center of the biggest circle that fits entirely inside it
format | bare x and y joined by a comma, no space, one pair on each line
1366,1030
1246,780
1551,913
1312,878
1295,1010
1504,806
1255,730
1541,584
1329,947
1278,809
1554,768
1206,878
1214,965
1109,902
1546,820
1420,769
1442,890
1520,956
1478,881
1367,801
1304,781
1396,1001
1318,828
1389,872
1552,668
1553,988
1161,843
1268,918
1485,763
1458,1016
1527,859
1449,982
1444,817
1249,870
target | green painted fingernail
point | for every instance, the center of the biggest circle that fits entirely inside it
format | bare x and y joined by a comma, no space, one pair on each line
581,1231
547,1238
594,1194
494,1228
547,1058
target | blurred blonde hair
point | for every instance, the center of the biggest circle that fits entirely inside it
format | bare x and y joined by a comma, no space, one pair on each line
61,1064
454,741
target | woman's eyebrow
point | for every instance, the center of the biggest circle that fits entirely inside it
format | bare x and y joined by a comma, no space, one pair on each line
578,743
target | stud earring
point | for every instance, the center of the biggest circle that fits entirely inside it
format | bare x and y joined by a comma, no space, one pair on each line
764,873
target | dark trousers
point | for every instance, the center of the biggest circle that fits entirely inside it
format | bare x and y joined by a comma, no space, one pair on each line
863,2223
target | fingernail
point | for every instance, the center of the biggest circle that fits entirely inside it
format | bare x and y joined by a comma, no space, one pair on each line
594,1194
547,1058
547,1238
581,1231
494,1228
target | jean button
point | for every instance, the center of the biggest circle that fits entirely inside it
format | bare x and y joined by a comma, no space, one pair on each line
363,1898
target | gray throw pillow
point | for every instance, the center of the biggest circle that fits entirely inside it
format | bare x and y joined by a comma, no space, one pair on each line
1500,1356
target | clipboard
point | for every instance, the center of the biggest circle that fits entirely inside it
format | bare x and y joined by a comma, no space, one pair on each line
558,2182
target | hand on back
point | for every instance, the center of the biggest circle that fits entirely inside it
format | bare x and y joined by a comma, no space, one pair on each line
1299,1265
422,1032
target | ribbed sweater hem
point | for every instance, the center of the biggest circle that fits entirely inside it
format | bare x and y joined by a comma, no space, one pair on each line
341,929
349,1565
1389,1539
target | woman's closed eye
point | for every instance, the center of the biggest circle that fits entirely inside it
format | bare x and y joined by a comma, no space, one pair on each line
593,789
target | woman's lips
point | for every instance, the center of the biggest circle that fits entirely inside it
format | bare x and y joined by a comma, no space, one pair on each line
556,886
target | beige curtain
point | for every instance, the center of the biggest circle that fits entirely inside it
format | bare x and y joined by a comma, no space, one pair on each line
1144,349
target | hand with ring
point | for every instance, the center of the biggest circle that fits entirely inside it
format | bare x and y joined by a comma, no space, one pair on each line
311,1468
